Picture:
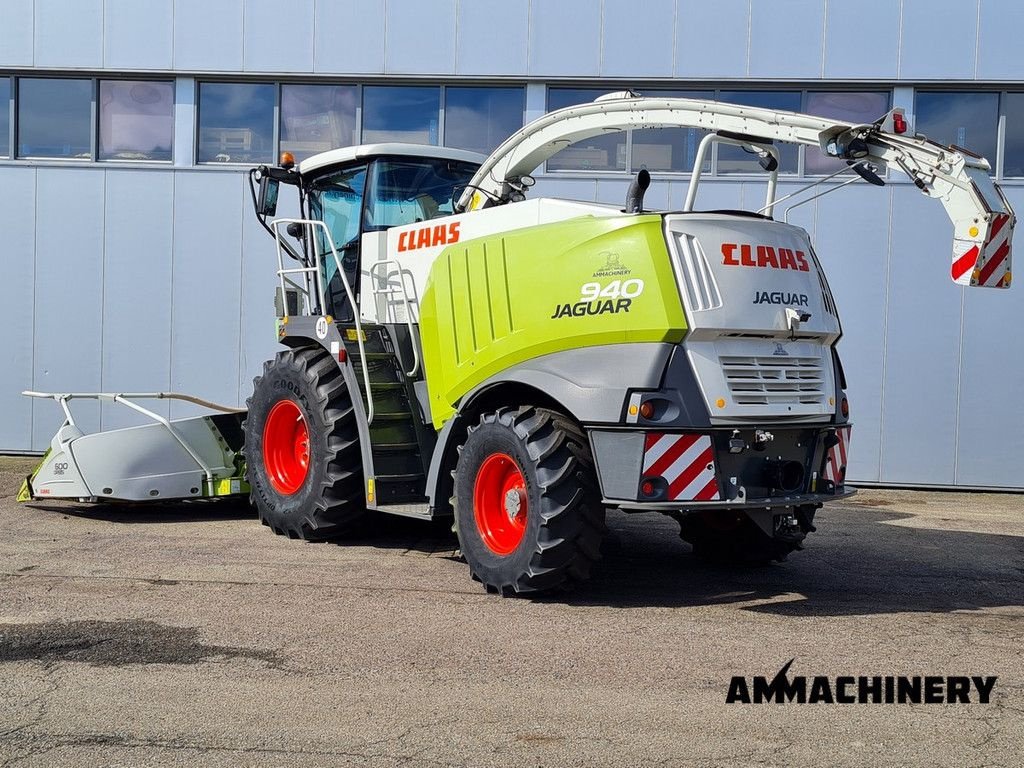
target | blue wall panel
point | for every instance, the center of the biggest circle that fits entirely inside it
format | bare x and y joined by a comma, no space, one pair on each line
208,35
206,284
711,38
786,38
1000,53
420,37
939,39
638,43
17,267
138,35
68,294
136,289
69,34
349,36
278,39
862,39
16,33
565,38
493,37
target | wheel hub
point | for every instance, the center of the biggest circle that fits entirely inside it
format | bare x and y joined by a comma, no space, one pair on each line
513,503
286,447
500,505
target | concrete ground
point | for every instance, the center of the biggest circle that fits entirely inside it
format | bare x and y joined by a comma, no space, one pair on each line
185,635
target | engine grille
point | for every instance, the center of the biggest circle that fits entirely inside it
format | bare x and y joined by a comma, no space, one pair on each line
774,380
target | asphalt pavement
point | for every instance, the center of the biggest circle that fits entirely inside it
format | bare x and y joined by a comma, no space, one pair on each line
182,635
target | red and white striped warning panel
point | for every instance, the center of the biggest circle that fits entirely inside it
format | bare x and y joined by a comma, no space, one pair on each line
835,462
989,264
685,462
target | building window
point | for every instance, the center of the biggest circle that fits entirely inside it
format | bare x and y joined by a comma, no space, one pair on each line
1013,142
55,118
669,149
5,117
479,119
236,122
316,118
136,120
845,106
598,153
737,160
401,113
969,120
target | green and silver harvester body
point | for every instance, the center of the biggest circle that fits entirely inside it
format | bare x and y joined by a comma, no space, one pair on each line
453,349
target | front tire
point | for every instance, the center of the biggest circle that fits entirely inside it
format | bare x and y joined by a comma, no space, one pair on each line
302,447
527,510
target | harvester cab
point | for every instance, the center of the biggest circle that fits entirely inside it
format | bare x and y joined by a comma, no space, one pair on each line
456,348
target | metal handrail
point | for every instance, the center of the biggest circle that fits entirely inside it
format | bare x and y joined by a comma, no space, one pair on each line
123,399
389,291
315,269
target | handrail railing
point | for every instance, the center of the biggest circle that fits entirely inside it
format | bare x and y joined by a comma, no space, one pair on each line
388,290
321,296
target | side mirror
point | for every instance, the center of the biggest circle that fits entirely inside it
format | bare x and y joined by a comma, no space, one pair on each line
266,203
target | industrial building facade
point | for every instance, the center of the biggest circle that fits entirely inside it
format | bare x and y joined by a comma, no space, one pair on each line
132,261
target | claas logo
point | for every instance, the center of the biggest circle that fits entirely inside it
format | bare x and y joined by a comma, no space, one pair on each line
427,237
744,255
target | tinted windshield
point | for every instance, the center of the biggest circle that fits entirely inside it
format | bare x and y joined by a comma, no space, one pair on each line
407,190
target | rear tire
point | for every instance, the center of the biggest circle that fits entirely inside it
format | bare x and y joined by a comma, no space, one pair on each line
302,447
528,513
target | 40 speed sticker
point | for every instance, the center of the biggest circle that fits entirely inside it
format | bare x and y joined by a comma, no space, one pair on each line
598,299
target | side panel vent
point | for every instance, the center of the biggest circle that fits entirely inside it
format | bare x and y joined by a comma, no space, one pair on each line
699,282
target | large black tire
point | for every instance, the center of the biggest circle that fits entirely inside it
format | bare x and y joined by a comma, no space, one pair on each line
734,539
327,498
563,521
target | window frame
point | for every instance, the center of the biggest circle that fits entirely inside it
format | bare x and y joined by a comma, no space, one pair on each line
275,135
97,118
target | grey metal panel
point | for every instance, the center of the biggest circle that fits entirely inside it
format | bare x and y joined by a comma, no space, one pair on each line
493,37
16,33
206,286
349,36
1000,54
638,43
570,189
619,458
855,49
136,299
138,35
69,34
565,38
786,38
990,434
711,196
922,54
68,294
852,244
711,38
278,40
208,36
420,37
17,222
922,345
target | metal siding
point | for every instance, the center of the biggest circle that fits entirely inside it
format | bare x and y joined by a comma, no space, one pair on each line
786,38
569,189
17,222
862,40
1000,54
420,37
138,35
136,290
68,294
205,286
69,34
16,33
565,38
922,345
349,37
637,44
852,243
711,38
990,438
493,37
711,196
923,55
208,35
276,41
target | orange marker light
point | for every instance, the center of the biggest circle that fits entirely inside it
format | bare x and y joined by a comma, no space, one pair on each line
647,410
287,160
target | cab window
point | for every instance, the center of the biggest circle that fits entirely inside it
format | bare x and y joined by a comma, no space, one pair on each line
406,191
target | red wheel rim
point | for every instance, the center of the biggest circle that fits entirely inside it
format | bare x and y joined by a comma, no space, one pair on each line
286,447
500,503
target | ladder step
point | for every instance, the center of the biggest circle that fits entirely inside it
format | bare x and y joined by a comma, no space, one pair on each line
395,447
400,416
403,478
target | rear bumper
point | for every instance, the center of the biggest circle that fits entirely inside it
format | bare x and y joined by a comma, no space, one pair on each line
723,468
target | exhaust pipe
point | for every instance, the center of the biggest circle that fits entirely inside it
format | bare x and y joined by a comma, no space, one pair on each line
635,196
786,476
